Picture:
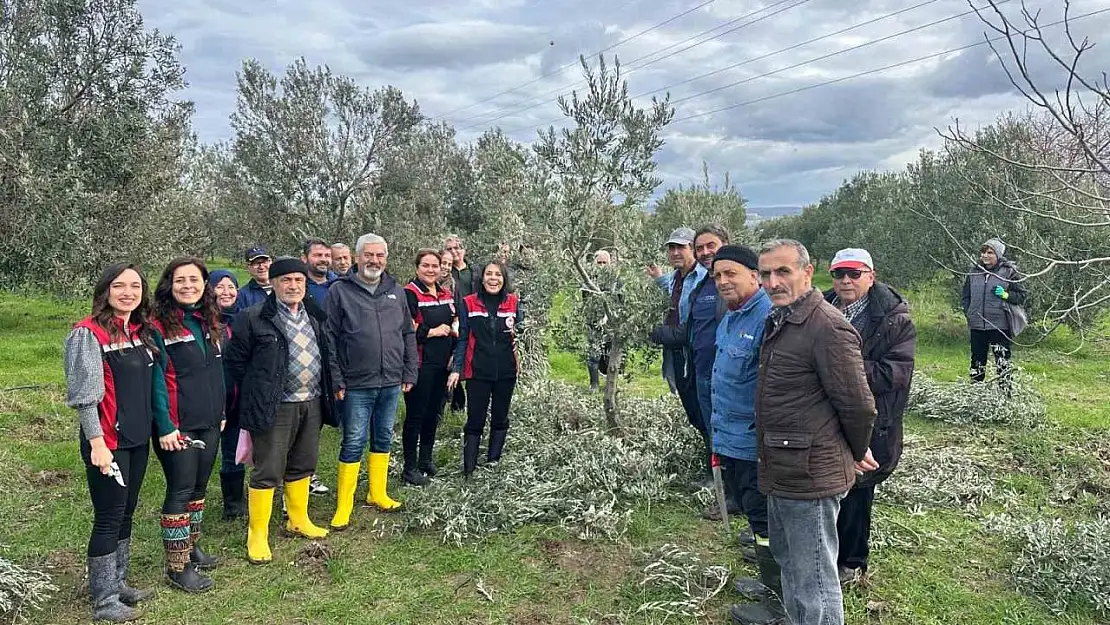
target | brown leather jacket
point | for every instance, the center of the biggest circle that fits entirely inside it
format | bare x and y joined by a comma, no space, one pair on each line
813,410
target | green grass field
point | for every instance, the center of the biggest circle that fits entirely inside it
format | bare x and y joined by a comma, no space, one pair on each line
944,569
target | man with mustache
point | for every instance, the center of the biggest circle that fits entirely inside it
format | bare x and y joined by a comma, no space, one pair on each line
373,363
813,418
340,259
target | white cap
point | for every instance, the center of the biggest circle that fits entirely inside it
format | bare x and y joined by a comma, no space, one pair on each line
852,258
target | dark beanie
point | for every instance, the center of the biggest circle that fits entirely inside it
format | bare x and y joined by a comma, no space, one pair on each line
746,256
219,274
287,264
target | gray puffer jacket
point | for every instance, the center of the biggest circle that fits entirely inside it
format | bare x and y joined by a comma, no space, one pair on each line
985,310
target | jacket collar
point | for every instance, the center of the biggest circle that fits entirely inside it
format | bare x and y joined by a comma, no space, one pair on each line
270,308
804,306
387,284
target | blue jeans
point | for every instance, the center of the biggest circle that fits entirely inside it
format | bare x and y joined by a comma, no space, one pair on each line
368,412
805,544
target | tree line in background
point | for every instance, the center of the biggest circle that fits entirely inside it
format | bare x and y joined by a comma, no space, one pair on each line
98,162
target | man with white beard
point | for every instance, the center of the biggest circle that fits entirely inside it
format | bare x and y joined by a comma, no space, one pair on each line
373,361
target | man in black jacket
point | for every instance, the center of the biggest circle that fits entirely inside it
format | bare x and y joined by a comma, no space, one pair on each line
374,361
278,357
464,285
882,317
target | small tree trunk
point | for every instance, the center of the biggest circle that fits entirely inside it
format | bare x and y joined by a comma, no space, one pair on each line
612,414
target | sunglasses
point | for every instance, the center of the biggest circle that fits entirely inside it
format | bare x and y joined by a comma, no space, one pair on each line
838,274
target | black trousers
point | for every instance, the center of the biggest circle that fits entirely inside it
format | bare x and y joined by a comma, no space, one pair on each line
187,471
458,398
853,525
113,505
423,406
983,341
485,396
289,450
741,478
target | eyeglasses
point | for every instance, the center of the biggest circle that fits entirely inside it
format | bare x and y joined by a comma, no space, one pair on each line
838,274
258,262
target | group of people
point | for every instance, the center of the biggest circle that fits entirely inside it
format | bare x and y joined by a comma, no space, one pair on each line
330,338
798,394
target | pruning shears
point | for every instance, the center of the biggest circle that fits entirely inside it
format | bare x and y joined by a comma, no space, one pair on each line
192,443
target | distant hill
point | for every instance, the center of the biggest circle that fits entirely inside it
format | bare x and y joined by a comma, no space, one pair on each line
757,214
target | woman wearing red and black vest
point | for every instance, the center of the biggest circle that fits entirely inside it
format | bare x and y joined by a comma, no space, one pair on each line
433,313
485,356
114,380
188,319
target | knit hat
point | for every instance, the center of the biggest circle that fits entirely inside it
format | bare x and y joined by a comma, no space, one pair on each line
287,264
998,246
746,256
219,274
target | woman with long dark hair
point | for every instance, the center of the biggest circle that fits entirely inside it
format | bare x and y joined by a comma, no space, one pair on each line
485,356
114,381
188,320
433,313
232,474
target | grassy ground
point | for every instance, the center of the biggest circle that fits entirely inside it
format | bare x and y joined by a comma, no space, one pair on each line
942,569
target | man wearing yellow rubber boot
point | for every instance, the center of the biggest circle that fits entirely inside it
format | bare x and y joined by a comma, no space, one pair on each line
373,362
278,357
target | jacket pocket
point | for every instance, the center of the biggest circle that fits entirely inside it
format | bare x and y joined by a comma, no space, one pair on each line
787,455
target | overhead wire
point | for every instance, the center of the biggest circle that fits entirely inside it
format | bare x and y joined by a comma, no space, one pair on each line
546,97
563,68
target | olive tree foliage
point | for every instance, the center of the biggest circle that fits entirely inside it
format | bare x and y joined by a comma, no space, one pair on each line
313,144
703,204
91,140
601,171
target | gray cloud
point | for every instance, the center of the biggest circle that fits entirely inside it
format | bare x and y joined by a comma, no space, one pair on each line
454,57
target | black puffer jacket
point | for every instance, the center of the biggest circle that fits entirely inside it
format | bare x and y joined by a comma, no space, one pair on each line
257,361
889,346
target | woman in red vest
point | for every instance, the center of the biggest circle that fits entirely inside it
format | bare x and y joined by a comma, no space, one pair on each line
433,313
485,356
187,318
114,381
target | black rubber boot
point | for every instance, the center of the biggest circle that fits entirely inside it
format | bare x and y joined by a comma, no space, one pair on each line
496,445
595,377
769,610
128,595
427,463
411,474
470,453
746,538
189,579
202,560
231,485
104,587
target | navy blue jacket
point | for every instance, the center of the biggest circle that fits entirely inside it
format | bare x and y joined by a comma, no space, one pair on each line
251,294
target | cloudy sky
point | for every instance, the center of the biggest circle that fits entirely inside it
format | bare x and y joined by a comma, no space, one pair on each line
482,63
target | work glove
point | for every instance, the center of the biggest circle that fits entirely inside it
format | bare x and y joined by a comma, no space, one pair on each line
1001,292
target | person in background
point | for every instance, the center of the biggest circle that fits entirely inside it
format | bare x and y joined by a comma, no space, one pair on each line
463,277
259,286
316,254
113,381
485,356
232,474
433,313
374,361
680,284
813,418
990,291
603,260
190,335
340,259
735,374
882,317
446,262
278,357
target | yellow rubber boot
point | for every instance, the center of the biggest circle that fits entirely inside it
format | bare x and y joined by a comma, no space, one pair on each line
348,482
260,504
379,475
296,505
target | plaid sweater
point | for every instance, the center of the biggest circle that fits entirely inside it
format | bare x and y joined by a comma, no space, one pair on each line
302,379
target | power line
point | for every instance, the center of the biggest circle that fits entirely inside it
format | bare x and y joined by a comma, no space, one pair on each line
543,99
800,63
876,70
560,70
